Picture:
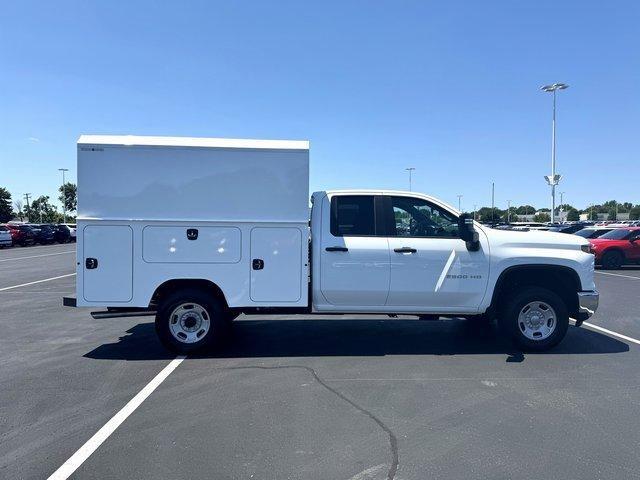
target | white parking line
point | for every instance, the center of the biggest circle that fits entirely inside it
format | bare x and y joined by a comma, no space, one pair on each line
37,256
618,275
612,333
37,281
85,451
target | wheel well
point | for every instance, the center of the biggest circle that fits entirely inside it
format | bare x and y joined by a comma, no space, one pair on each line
613,249
176,284
563,281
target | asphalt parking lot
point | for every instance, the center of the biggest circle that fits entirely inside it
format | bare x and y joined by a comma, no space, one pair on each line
318,398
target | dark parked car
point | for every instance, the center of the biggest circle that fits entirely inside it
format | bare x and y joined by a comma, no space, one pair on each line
44,234
62,233
22,235
567,228
593,232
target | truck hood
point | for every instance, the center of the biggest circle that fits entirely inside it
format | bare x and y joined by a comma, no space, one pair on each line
534,239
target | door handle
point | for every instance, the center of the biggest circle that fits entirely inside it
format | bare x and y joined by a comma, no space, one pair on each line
337,249
405,250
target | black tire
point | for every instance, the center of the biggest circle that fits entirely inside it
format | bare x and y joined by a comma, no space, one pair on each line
215,311
509,323
612,260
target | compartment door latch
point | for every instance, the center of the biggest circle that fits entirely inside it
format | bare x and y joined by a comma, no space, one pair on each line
91,263
257,264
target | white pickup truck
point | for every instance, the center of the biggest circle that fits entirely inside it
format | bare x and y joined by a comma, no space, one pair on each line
198,230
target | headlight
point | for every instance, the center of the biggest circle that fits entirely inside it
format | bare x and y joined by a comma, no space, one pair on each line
586,248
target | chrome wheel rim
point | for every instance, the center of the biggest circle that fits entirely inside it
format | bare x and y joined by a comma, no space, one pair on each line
537,321
189,322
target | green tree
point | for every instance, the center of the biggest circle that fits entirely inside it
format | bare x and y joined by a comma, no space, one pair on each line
634,213
510,215
542,217
593,214
612,214
6,212
486,215
526,210
42,211
69,196
573,215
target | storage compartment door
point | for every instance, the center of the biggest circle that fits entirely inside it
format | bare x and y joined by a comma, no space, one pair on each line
276,264
191,244
107,263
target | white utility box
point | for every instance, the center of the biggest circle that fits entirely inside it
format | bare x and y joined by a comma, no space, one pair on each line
153,209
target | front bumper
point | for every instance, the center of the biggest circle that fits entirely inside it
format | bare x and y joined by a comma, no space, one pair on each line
587,305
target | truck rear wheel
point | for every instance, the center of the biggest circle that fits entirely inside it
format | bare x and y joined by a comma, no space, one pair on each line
190,320
535,319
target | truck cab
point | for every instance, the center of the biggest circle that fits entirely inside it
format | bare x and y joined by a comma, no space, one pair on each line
395,252
405,252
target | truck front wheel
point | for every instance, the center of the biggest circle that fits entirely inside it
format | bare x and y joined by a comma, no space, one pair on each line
535,319
190,320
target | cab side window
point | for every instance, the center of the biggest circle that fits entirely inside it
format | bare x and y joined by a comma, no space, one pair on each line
415,217
352,215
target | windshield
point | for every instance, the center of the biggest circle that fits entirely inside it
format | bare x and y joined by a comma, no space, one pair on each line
617,234
592,232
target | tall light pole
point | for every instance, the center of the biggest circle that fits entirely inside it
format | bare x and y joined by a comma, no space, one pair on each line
64,195
554,178
410,169
508,211
474,211
460,203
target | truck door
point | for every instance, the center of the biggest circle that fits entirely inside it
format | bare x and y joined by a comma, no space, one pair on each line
430,266
354,266
107,263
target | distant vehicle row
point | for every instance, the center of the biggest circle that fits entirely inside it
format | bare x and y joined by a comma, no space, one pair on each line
25,234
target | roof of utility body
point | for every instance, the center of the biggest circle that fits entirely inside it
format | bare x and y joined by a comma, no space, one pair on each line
147,141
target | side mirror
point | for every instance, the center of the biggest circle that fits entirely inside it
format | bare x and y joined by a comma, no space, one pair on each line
468,233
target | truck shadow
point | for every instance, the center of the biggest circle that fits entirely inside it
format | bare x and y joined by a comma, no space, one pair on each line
353,337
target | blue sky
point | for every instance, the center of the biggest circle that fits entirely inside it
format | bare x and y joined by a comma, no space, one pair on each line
450,88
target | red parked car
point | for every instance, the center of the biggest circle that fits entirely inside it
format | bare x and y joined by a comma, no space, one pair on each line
21,234
617,247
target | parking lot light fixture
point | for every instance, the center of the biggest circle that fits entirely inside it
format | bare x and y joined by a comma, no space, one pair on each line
553,179
410,169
